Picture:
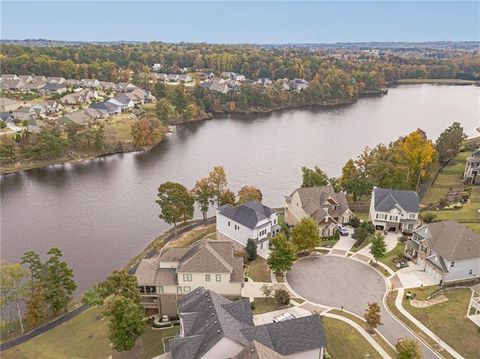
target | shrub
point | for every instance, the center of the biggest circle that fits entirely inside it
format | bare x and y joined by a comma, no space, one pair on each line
251,250
282,296
354,222
252,305
429,217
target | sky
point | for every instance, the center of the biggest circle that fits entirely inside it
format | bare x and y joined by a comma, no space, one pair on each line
241,22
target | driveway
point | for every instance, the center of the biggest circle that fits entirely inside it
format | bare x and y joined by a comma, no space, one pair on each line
267,318
337,281
414,276
345,243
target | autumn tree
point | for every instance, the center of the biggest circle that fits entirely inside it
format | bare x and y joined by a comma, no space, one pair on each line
227,197
176,203
408,348
35,307
249,193
147,131
218,180
282,254
372,316
449,141
13,287
314,178
305,235
204,195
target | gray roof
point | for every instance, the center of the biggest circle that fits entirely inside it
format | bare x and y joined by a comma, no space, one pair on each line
122,98
290,336
386,199
451,240
476,153
256,350
438,262
53,87
209,317
476,288
248,214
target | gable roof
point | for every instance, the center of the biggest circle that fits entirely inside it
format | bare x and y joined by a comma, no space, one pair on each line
256,350
451,240
386,199
248,214
208,318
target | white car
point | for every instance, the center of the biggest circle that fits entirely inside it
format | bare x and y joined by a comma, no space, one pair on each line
283,317
343,230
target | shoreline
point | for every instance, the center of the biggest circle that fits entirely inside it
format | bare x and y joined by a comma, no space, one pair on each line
223,114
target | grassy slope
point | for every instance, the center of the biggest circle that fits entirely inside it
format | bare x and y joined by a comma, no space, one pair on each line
345,342
448,321
259,271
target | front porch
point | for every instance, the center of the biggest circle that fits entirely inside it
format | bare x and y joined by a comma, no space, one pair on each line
473,312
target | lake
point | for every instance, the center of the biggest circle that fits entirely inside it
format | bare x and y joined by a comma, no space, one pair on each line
102,212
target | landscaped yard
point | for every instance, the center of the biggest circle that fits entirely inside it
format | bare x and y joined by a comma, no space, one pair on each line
448,321
86,337
396,252
345,342
265,305
258,270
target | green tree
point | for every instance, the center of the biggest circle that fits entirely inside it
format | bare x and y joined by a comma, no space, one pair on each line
282,254
58,282
251,250
165,111
449,141
314,178
408,348
305,235
13,287
176,203
218,180
125,322
378,247
249,193
204,195
372,316
159,90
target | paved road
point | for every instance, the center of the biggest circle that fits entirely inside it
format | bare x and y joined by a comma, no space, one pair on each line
337,282
36,332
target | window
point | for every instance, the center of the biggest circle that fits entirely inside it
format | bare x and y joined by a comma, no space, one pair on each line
160,289
376,216
218,277
207,277
186,289
179,290
229,223
452,264
274,221
411,216
470,272
410,226
187,277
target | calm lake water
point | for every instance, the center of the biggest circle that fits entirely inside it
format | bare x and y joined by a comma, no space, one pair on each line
103,212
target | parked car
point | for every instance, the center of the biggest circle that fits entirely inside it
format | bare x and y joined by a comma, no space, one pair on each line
342,230
283,317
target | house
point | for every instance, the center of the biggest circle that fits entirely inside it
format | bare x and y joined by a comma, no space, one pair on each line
185,78
6,118
108,108
233,76
140,95
39,78
24,113
327,207
216,84
161,77
156,67
74,118
91,83
51,106
298,85
78,98
9,105
6,77
173,77
13,85
72,83
472,169
264,81
53,88
251,220
177,271
126,87
212,326
122,100
108,86
394,210
93,113
55,80
25,78
448,251
35,86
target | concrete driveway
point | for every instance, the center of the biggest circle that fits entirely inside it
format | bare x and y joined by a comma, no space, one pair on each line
267,318
339,281
414,276
345,243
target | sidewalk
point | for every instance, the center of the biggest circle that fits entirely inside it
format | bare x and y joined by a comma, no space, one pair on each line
398,304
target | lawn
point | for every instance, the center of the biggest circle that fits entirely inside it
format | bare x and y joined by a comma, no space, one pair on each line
118,128
448,321
265,305
396,252
258,270
87,337
345,342
193,236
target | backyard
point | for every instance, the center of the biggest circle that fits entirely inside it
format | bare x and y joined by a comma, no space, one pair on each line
86,336
448,321
258,270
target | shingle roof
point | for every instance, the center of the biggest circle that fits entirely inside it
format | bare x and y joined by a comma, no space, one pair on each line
476,288
248,214
451,240
256,350
386,199
290,336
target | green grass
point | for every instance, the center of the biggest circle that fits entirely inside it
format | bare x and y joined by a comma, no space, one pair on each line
448,321
362,216
396,252
193,236
329,243
345,342
449,180
265,305
85,336
118,128
259,271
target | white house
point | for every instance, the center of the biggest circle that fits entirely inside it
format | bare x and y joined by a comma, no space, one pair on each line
156,67
472,169
394,210
448,251
250,220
